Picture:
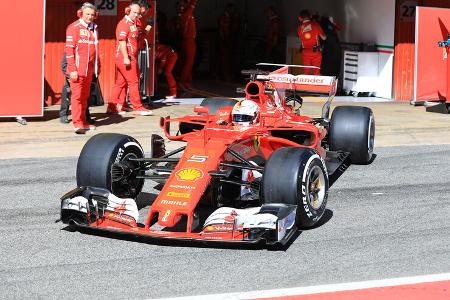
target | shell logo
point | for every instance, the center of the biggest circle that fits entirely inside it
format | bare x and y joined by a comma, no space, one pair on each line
189,174
307,35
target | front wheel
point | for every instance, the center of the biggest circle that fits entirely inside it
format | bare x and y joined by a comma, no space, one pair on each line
103,157
297,176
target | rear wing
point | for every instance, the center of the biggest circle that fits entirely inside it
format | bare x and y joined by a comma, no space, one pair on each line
321,85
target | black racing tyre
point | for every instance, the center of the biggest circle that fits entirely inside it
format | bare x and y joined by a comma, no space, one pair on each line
213,105
98,156
352,129
297,176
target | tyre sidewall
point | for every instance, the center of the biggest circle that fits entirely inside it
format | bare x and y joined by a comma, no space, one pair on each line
307,216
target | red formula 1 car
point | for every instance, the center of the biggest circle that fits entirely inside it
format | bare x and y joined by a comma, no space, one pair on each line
231,182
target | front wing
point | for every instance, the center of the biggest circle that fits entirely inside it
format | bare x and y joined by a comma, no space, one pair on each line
97,209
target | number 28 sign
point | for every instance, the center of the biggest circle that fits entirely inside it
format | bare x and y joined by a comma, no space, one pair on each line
106,7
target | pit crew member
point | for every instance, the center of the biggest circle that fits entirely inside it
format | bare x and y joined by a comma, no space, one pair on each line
82,62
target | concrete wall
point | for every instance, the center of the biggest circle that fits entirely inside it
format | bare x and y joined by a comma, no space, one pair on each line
367,21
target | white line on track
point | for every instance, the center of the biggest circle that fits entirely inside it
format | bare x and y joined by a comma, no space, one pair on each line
350,286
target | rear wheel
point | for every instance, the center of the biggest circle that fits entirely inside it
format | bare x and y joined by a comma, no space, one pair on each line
105,162
297,176
352,129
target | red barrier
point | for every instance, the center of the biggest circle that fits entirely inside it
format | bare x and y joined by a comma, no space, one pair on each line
21,59
432,26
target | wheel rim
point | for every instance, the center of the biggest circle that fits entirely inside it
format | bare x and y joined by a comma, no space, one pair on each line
316,187
371,135
128,188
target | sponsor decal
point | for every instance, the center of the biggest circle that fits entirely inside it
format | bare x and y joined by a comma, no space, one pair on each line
257,142
305,201
218,228
178,195
213,238
119,155
311,80
166,215
221,228
174,202
230,218
121,218
83,41
160,232
186,187
307,28
198,158
307,36
224,114
189,174
298,79
133,28
84,32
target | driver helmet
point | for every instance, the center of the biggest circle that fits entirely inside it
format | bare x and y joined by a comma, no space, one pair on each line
245,113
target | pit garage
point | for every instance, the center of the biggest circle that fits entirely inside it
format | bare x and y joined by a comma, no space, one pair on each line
381,34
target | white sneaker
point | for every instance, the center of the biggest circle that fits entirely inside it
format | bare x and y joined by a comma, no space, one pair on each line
142,112
171,97
91,127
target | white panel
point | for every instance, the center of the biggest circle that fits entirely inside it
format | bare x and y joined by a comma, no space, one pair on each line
385,71
367,21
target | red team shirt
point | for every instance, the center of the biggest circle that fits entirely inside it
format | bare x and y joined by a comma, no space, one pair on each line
309,32
188,26
82,48
128,31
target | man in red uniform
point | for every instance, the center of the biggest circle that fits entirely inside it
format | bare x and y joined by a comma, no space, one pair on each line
127,36
82,62
166,58
309,33
121,106
273,34
225,41
188,46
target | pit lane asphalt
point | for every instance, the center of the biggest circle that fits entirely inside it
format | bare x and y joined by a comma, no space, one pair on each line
387,219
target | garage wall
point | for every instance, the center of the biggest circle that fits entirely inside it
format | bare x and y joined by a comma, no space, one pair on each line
367,21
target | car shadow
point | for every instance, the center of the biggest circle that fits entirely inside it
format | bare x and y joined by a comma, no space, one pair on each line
327,215
372,159
130,237
103,119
